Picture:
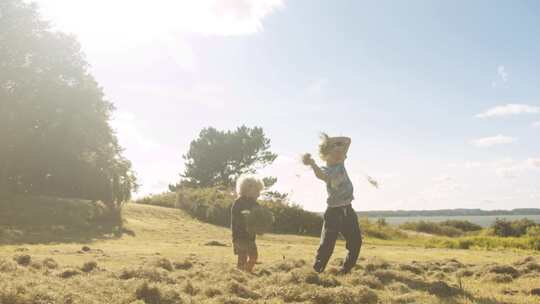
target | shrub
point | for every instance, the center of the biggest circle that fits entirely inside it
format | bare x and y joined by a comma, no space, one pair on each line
521,226
39,211
292,218
534,231
465,244
450,231
517,228
451,228
485,242
432,228
381,222
378,231
502,227
534,243
213,205
462,225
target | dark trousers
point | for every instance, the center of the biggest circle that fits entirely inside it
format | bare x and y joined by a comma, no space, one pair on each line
339,220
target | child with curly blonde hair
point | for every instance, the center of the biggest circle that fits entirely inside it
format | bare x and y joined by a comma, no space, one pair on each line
248,190
339,217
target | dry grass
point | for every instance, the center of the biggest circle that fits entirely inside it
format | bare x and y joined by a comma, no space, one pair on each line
167,261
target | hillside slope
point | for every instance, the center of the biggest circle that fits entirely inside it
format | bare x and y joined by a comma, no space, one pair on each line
165,256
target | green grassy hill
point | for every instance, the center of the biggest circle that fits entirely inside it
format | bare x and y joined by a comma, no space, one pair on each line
165,256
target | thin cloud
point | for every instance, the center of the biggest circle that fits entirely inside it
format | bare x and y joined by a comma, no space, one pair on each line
536,124
507,172
502,77
502,73
509,109
443,188
493,141
510,168
442,179
473,165
534,162
503,168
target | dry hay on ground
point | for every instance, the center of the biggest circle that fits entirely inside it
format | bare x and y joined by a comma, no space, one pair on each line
191,280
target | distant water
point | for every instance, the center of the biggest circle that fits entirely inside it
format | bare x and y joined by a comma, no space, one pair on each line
482,220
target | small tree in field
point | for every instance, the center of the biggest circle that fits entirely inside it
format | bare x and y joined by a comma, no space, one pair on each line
502,227
219,157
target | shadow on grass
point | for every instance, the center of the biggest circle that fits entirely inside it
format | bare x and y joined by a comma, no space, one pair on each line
446,293
18,235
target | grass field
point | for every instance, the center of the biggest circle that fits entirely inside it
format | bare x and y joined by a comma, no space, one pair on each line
164,256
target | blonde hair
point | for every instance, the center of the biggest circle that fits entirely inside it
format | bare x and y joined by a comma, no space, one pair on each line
324,146
245,186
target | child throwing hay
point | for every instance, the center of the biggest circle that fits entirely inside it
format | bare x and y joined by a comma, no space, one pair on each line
248,190
339,217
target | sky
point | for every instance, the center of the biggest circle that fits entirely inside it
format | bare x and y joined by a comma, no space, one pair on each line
441,98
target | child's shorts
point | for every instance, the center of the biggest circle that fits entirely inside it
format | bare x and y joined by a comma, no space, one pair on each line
245,247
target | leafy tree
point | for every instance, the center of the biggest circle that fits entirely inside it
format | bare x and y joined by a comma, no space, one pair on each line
220,157
502,227
381,222
275,196
55,137
515,228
